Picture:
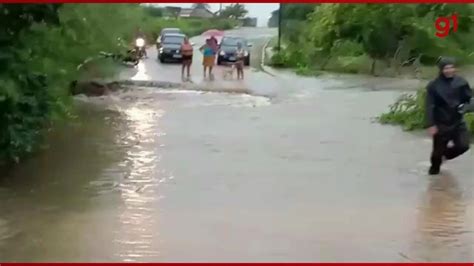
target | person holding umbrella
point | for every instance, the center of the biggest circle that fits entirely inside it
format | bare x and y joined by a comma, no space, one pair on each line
213,34
208,51
214,43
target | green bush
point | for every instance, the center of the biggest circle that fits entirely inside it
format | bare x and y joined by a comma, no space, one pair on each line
470,122
350,64
347,48
408,111
279,59
304,70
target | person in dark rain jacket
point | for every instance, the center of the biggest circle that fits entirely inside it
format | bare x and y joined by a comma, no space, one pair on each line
446,96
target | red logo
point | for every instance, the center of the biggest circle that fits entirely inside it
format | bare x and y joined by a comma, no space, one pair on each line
443,25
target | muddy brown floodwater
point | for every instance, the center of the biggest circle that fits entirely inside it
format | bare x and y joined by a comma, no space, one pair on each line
173,175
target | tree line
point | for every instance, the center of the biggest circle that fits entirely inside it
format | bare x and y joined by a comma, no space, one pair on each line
356,37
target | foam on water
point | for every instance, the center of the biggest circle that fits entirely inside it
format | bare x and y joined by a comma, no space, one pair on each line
186,98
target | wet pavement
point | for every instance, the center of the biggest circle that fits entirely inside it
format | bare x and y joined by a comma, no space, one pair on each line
257,81
173,175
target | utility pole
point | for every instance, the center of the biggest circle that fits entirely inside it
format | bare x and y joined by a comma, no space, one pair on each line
279,26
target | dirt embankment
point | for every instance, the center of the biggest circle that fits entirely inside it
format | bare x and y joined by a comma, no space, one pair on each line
94,88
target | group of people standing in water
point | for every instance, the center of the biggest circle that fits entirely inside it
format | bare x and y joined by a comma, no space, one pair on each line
209,51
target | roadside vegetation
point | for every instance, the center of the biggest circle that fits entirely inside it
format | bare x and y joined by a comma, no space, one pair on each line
396,40
41,47
409,112
382,39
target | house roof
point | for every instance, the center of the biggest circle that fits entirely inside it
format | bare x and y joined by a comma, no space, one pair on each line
186,12
189,12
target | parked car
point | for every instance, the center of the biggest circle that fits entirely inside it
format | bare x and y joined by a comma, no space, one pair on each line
170,49
227,48
164,32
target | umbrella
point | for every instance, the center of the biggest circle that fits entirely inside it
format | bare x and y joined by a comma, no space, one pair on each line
213,32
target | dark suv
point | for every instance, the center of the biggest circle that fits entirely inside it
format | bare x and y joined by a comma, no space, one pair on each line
164,32
170,49
227,49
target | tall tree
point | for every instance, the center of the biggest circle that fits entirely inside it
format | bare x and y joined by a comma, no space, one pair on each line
273,21
234,11
297,11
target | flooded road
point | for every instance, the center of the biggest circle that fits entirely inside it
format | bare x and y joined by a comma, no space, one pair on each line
304,175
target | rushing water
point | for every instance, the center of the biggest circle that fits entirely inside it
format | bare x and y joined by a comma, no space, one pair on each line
152,175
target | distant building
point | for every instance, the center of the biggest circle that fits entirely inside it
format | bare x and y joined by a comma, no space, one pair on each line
171,12
198,12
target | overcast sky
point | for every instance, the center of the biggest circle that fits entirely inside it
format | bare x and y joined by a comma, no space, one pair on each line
261,11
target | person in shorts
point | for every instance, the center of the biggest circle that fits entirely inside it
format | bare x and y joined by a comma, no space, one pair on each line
187,60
